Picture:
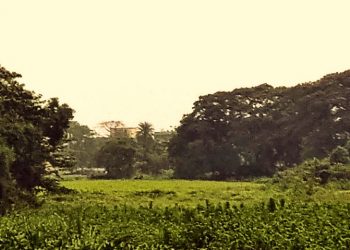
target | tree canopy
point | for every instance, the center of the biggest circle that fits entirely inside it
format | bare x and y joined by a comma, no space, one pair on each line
117,157
258,130
32,128
83,144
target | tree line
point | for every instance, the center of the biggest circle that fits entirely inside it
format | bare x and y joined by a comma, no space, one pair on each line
260,130
242,133
239,134
121,157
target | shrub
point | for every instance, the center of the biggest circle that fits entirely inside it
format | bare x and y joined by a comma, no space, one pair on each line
339,155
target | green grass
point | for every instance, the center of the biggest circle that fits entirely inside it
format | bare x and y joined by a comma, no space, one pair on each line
170,192
178,214
165,193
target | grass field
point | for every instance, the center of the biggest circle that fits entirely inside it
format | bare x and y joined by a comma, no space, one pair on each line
164,193
178,214
170,192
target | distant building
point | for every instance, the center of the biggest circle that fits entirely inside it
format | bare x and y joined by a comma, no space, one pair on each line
123,132
131,132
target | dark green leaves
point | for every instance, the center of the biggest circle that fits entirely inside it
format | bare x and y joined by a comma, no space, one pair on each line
31,127
266,128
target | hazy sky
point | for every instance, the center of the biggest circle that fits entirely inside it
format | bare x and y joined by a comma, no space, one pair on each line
150,60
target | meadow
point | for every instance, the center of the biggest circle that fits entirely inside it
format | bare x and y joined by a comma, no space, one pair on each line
164,193
178,214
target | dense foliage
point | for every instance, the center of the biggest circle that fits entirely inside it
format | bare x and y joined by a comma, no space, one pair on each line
117,157
152,156
312,174
121,155
275,225
30,131
83,144
257,131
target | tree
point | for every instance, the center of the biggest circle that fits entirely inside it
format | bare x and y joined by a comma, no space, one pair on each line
6,159
83,144
117,158
262,129
150,160
31,127
145,137
222,134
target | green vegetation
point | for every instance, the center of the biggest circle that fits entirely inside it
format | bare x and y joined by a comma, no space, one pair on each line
291,226
83,144
245,133
168,192
177,214
299,136
31,132
260,130
117,158
137,155
189,193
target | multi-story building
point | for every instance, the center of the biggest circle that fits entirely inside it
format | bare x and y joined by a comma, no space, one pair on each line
123,132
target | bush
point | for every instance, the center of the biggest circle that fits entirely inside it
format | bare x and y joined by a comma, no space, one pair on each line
304,178
339,155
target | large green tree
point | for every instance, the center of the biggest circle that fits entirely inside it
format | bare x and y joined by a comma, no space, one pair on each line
145,137
31,127
152,154
83,144
255,131
118,158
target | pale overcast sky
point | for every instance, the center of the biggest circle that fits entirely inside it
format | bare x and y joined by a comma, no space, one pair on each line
150,60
